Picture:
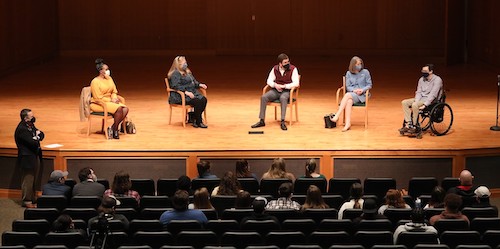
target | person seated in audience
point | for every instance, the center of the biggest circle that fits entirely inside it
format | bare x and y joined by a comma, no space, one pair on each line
56,186
228,185
180,202
393,199
184,183
259,206
285,198
204,170
88,185
437,198
278,170
417,224
314,199
243,200
311,170
107,210
369,212
465,189
121,187
64,224
483,197
243,170
356,201
452,204
201,200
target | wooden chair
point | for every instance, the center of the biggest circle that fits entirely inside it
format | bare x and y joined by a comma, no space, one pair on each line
292,102
184,107
104,116
342,90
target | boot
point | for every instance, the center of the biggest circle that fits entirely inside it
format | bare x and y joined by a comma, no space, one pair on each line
116,134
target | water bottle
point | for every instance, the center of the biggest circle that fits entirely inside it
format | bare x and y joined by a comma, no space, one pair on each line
418,203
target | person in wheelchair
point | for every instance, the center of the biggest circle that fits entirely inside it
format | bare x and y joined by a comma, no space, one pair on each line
428,92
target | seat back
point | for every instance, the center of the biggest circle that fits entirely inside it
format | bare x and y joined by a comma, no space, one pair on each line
351,213
302,184
161,201
328,238
378,186
241,239
482,212
104,182
397,214
451,225
153,213
143,186
222,202
283,214
431,246
333,200
491,238
389,247
481,224
306,226
250,184
166,186
318,214
449,182
128,202
236,214
41,226
153,239
52,201
85,202
49,214
341,186
197,239
371,238
410,239
69,239
80,213
429,212
144,225
421,186
211,214
219,227
271,186
177,226
455,238
260,226
209,183
27,239
375,225
334,225
283,238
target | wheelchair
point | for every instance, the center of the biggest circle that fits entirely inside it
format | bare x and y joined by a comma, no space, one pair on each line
438,117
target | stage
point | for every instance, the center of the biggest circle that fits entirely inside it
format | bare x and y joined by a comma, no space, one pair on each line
235,83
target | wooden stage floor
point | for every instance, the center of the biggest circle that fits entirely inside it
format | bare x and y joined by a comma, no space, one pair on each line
52,91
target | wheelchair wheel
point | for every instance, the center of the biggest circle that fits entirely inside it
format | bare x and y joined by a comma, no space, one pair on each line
441,119
424,120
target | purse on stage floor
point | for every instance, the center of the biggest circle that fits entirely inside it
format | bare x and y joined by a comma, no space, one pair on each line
328,122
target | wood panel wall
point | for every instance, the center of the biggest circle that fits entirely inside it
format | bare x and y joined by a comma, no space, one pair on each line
28,32
483,31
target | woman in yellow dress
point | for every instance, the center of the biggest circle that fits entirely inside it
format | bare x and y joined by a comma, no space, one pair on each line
104,89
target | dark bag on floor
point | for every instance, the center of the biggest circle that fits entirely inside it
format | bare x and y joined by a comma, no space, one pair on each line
329,123
130,127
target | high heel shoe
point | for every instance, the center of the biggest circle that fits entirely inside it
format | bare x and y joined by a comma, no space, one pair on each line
116,134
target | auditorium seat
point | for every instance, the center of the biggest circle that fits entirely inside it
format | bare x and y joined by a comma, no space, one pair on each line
241,239
429,212
69,239
166,186
455,238
209,183
153,239
375,225
160,201
271,186
41,226
144,225
283,238
85,202
211,214
346,247
153,213
283,214
52,201
143,186
12,247
371,238
128,202
480,212
418,186
114,226
27,239
130,213
249,184
135,247
442,225
104,182
396,214
389,247
482,224
351,213
334,225
219,247
236,214
411,239
449,182
260,226
70,182
318,214
197,239
378,186
473,247
222,202
50,214
80,213
304,247
50,247
306,226
301,185
491,238
431,246
176,247
177,226
341,186
219,227
333,200
326,239
263,247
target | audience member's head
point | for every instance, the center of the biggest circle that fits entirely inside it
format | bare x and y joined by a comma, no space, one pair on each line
86,174
183,183
452,203
356,193
242,169
108,204
314,199
278,168
437,197
121,182
63,223
259,204
417,216
58,176
394,198
180,200
285,190
229,184
370,207
482,193
243,200
203,168
201,199
466,178
310,167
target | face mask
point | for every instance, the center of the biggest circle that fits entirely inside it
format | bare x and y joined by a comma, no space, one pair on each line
286,67
184,66
358,67
425,75
33,119
108,72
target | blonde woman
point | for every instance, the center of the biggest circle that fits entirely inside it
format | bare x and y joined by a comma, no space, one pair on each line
314,199
357,82
278,170
201,200
182,79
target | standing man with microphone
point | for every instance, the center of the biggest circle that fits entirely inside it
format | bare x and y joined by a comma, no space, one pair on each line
29,156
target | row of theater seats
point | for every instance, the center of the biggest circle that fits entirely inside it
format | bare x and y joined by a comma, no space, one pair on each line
243,239
301,246
372,186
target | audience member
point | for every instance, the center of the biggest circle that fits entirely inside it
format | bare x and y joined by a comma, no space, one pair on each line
356,201
201,200
180,202
437,198
243,200
369,212
285,198
314,199
393,199
417,224
311,170
259,206
465,189
483,197
204,170
452,204
88,185
56,186
243,170
184,183
278,170
121,187
107,210
228,185
64,224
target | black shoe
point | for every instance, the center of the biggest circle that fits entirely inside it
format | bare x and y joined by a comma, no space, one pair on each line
116,135
195,125
283,126
202,125
259,124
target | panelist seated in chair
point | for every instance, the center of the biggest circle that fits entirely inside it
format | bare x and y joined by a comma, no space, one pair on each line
357,82
282,77
181,78
103,89
428,91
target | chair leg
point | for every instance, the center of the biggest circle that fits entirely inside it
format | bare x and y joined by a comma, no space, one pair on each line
170,116
184,117
296,112
366,117
291,114
275,113
89,125
104,127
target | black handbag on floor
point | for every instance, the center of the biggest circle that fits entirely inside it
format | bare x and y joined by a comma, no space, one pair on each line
328,122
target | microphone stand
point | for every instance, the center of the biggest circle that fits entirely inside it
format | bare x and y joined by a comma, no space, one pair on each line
496,127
